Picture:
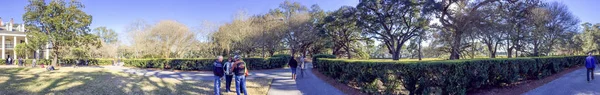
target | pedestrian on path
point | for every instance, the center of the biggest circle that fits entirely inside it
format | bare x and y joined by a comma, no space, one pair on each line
293,64
590,64
302,65
218,72
228,74
241,72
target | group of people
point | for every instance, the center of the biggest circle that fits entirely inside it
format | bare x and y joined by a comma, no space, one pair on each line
9,61
233,67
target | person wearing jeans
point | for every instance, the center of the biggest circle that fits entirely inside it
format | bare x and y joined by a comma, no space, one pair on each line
590,64
228,74
219,72
240,72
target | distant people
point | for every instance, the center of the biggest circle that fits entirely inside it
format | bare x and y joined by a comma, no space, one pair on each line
302,65
293,64
8,60
20,61
33,62
228,74
590,64
218,71
240,71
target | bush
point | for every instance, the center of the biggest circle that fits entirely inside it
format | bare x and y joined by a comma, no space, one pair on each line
202,64
317,56
448,76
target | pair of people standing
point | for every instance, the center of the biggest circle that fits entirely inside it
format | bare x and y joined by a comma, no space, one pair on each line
229,69
294,64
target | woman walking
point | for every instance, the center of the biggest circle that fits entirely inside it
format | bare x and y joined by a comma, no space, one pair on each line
293,64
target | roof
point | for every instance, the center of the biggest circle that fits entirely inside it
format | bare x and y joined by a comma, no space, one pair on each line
2,31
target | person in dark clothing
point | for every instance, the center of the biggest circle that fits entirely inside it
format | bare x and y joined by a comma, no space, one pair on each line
590,64
240,71
8,60
293,64
218,72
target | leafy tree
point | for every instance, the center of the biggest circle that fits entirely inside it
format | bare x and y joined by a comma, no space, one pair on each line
106,35
340,26
63,23
393,22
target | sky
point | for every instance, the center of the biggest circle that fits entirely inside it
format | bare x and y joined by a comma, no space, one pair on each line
117,14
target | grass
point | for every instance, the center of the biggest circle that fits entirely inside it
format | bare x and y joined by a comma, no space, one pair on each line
93,81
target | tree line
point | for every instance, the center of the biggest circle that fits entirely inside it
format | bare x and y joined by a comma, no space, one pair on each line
450,29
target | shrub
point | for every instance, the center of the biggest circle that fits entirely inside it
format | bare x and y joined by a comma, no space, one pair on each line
202,64
448,76
317,56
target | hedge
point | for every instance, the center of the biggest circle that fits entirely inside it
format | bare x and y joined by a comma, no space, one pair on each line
203,64
316,57
64,62
447,76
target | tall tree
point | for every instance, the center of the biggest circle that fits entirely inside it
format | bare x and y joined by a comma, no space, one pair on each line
457,16
63,23
393,22
106,35
341,27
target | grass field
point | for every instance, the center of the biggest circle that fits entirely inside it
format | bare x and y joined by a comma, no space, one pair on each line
95,81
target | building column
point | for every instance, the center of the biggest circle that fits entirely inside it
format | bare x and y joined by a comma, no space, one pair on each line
47,52
26,54
3,47
14,47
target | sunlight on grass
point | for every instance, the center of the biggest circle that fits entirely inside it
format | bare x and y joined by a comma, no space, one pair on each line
78,81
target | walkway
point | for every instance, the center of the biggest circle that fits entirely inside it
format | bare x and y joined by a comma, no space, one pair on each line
573,83
282,83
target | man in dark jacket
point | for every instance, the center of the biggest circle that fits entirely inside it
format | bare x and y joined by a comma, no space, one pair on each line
218,71
590,64
293,64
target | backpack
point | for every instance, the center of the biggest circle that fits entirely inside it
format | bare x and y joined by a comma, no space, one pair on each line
218,69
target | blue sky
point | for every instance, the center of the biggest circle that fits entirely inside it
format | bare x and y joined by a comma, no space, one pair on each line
116,14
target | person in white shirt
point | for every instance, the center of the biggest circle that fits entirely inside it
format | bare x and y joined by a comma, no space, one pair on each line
228,74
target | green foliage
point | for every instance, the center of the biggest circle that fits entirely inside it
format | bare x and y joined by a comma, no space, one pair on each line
60,23
449,76
203,64
316,57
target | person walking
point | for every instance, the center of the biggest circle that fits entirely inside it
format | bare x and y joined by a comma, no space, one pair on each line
228,74
240,72
590,64
293,64
218,72
8,60
302,65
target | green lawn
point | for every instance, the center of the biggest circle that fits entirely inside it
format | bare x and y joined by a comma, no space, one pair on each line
93,81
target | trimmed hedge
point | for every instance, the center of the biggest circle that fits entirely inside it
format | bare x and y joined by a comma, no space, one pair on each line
203,64
64,62
447,77
316,57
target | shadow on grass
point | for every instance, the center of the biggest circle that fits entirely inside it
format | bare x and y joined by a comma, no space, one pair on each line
17,81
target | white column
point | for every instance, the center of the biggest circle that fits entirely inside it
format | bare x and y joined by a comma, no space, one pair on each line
14,47
26,54
47,53
3,48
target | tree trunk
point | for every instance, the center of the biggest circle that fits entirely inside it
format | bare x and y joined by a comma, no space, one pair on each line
419,50
55,59
491,51
455,53
396,55
348,53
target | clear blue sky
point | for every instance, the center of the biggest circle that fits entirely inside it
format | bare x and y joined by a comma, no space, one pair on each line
116,14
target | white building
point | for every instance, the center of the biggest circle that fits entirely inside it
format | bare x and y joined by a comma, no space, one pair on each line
13,34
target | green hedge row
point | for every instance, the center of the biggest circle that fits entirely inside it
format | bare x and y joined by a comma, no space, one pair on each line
447,77
63,62
204,64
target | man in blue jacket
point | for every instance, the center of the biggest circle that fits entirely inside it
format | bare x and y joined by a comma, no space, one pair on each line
590,64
